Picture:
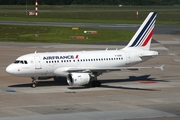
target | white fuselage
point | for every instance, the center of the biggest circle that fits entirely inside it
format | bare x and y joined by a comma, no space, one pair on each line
45,64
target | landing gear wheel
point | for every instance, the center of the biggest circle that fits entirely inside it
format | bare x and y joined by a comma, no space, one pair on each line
33,85
96,83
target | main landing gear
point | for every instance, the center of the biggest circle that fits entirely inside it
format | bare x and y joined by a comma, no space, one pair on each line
34,83
96,83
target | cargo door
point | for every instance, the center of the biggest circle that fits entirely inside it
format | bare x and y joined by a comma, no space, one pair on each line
128,58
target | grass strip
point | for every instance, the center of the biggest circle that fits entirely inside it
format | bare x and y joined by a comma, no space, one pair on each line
13,33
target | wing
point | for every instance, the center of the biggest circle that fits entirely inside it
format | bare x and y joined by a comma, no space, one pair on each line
106,69
64,71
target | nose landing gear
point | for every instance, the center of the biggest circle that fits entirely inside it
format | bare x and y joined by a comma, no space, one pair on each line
34,83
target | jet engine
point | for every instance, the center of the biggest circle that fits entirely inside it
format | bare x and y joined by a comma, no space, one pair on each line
77,79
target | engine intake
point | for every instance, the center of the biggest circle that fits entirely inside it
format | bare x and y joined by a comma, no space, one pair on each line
77,79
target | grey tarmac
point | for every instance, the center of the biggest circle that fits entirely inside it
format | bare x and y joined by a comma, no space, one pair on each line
149,94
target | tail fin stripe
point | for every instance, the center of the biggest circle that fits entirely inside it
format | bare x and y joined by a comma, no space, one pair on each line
148,31
143,36
143,39
142,31
148,38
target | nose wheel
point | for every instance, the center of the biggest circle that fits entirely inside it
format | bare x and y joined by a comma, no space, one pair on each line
33,84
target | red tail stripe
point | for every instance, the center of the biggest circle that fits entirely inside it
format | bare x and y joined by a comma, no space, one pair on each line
148,38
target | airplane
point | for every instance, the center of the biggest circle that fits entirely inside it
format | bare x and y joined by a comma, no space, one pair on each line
82,67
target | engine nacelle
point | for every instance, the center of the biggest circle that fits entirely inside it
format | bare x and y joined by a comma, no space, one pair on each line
77,79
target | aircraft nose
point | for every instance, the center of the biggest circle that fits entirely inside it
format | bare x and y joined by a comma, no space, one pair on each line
10,70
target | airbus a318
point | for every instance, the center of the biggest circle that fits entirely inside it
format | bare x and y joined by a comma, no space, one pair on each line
83,67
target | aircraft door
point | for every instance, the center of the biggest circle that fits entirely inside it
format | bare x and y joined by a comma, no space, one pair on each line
128,58
38,62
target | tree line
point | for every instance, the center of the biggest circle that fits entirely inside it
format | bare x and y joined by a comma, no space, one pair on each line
91,2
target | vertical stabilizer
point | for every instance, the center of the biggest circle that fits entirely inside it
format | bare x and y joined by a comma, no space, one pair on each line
143,36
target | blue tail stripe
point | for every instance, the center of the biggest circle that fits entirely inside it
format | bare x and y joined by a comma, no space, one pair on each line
147,30
141,33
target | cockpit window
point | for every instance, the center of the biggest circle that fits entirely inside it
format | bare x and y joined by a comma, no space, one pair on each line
17,61
20,62
25,62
